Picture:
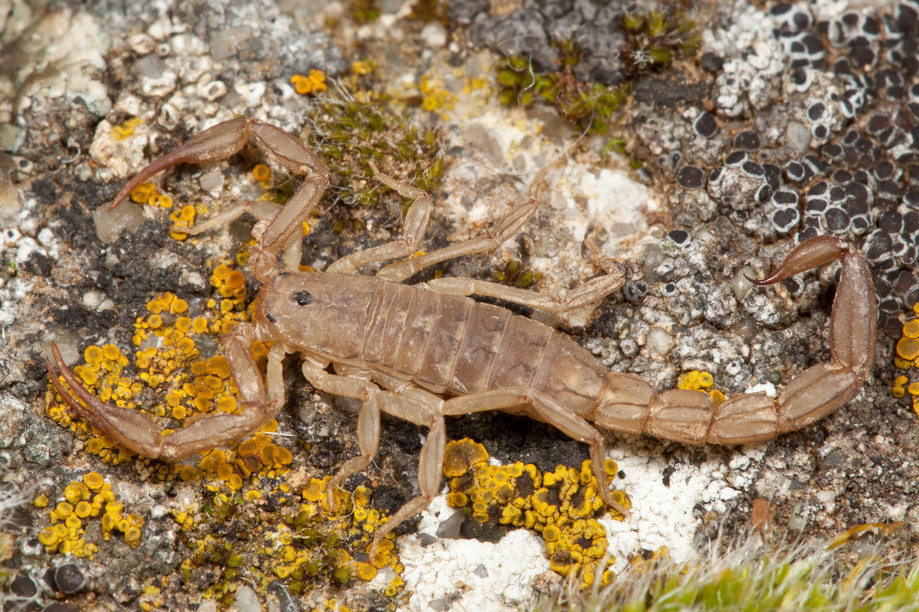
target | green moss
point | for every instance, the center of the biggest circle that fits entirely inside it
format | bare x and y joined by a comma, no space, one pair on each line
653,41
515,275
590,107
747,579
657,38
350,135
365,11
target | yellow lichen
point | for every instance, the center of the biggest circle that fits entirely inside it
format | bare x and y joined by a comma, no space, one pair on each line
561,505
697,380
310,84
121,132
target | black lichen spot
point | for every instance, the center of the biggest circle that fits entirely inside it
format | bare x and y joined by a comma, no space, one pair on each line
861,53
841,177
711,62
801,77
837,220
784,198
797,172
806,234
889,190
705,125
816,164
747,141
680,237
832,151
735,159
879,245
773,175
860,224
816,111
878,123
69,578
819,188
691,177
785,219
23,586
753,168
815,206
891,222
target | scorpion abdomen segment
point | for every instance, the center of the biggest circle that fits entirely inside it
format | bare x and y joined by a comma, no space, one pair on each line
815,393
681,415
567,372
453,344
478,350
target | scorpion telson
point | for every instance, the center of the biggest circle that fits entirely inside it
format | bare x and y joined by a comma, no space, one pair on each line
426,351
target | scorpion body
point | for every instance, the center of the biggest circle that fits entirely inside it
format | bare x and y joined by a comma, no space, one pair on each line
425,351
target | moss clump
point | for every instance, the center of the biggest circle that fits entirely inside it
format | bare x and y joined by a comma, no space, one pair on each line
513,274
588,106
365,11
748,579
350,134
653,41
657,38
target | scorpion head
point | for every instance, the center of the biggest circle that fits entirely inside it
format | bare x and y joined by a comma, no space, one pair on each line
317,312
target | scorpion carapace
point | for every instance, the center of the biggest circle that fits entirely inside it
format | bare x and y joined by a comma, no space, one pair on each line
425,351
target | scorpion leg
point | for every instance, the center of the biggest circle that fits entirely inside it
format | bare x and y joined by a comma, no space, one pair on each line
139,433
627,403
505,229
589,292
413,229
543,408
508,227
261,210
368,421
410,404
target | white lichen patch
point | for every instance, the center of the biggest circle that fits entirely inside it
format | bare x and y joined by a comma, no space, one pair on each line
664,496
472,575
754,60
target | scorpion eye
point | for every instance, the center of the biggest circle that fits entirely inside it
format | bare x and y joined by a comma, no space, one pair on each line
302,298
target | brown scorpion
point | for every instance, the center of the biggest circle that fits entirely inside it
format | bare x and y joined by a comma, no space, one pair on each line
425,351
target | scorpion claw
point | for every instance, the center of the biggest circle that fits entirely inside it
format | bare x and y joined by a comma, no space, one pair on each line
130,428
217,142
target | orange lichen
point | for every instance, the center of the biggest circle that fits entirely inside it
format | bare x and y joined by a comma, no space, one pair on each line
561,505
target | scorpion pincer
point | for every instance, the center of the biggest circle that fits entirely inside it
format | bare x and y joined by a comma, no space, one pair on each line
425,351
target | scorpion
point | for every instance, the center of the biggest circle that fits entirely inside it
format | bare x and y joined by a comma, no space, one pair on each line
426,351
